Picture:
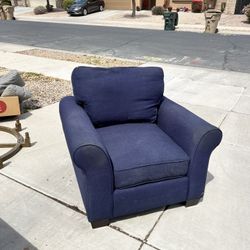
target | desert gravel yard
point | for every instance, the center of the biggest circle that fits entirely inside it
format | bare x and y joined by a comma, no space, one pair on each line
81,58
45,90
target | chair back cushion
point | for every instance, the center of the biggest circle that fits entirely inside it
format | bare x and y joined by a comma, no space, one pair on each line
119,95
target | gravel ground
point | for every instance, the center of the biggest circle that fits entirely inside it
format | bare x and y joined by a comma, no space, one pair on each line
45,90
82,58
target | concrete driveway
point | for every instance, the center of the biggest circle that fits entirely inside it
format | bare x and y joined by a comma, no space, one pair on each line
40,203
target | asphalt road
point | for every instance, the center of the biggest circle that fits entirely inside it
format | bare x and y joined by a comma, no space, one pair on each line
227,52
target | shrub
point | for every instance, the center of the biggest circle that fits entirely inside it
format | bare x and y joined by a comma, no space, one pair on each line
67,3
40,10
246,11
157,10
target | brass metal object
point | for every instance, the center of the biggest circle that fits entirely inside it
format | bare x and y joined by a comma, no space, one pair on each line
15,147
18,125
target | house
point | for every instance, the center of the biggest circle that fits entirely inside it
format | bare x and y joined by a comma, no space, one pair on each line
232,6
126,4
145,4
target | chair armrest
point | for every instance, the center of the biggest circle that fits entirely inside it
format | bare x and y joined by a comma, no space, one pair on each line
90,158
195,136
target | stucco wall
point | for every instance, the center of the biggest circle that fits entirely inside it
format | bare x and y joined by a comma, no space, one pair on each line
126,4
35,3
120,4
230,6
175,3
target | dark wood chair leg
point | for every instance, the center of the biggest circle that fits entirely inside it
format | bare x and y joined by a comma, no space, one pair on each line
192,202
100,223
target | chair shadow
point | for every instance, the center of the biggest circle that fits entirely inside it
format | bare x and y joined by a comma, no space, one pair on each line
121,218
11,239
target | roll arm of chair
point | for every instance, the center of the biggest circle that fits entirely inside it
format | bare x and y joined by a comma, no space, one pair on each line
92,163
195,136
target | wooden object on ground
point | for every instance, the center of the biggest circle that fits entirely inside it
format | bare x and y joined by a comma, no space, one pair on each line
15,147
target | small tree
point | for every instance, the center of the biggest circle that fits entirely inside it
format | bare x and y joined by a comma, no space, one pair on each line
133,8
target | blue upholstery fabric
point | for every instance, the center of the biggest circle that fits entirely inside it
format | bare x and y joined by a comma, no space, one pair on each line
142,153
119,95
92,164
151,153
150,196
197,137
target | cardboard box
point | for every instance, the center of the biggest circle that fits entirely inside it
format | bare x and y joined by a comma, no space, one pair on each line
9,106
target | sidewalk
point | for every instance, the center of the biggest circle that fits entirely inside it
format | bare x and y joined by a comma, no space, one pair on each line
39,189
193,22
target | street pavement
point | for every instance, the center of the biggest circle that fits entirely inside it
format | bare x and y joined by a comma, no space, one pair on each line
225,52
40,203
187,21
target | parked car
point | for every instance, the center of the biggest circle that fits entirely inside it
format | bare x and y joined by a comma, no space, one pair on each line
84,7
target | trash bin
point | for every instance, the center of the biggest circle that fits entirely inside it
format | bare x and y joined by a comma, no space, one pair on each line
6,10
9,12
212,19
2,14
171,20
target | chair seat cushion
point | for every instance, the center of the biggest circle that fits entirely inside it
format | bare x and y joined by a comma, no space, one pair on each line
142,153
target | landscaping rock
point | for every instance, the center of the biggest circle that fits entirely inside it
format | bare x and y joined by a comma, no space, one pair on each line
14,90
12,77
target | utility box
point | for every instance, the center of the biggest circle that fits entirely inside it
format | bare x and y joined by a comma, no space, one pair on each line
9,106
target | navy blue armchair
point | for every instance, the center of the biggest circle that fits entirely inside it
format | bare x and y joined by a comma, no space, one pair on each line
132,148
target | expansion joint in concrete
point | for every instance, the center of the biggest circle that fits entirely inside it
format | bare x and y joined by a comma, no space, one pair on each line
75,208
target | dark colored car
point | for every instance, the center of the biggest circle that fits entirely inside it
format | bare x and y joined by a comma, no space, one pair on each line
84,7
